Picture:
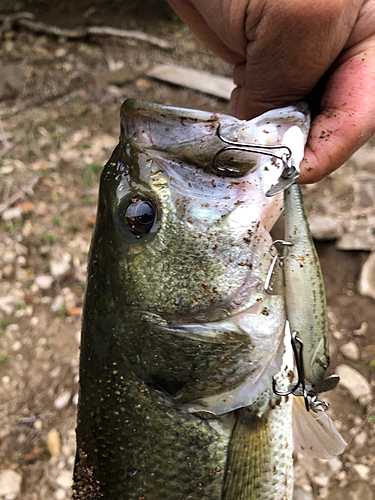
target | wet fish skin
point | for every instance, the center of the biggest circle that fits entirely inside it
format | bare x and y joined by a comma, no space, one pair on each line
175,322
304,288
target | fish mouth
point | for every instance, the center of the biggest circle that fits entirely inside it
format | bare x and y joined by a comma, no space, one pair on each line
233,360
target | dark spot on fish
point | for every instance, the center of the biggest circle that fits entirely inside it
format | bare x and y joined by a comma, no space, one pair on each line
265,311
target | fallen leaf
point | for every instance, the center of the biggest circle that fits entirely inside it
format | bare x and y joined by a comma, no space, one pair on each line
91,221
27,207
47,182
74,311
33,454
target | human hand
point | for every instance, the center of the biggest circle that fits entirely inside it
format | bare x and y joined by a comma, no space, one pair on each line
283,50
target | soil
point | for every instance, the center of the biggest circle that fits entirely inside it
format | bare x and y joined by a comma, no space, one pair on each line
59,122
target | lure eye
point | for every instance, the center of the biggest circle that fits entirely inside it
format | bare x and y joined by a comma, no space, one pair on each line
140,215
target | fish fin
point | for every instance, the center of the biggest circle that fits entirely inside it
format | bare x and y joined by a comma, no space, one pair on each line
249,461
314,434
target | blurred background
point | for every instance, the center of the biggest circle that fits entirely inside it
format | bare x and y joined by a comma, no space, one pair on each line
61,88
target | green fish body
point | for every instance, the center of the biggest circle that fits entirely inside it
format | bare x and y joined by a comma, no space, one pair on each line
180,341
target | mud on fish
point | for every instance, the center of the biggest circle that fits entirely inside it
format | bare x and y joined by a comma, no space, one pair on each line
180,341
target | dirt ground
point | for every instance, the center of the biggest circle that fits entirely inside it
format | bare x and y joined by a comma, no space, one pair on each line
59,122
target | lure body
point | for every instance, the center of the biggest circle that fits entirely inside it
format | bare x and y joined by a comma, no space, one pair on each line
304,289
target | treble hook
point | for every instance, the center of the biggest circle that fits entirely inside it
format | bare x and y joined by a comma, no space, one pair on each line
258,149
300,388
297,346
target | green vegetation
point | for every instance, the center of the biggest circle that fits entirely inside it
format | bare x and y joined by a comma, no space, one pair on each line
4,359
57,220
48,239
90,177
61,311
10,227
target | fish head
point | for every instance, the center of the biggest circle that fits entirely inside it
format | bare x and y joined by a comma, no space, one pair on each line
180,252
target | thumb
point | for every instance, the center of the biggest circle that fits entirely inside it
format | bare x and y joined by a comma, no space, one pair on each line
347,117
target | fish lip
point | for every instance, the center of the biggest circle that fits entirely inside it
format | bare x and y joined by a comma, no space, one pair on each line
204,317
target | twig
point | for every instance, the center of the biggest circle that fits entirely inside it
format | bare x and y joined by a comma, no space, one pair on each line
4,139
20,194
137,35
26,21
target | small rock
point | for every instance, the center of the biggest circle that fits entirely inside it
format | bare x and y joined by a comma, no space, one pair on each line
60,263
60,494
44,281
10,483
64,480
323,493
363,471
360,439
57,303
12,213
341,475
38,425
16,346
8,257
60,52
366,285
7,303
365,399
63,400
353,381
301,494
360,491
53,442
321,480
338,335
27,229
8,169
8,270
334,464
362,330
21,261
34,321
350,351
324,227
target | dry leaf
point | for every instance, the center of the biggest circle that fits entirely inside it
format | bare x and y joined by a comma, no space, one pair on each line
74,311
32,455
27,207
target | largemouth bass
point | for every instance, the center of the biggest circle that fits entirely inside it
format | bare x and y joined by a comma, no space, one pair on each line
180,341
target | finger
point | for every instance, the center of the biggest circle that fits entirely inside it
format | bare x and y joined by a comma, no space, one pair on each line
288,51
218,24
347,119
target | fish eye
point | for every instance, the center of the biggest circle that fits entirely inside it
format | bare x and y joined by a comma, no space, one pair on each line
140,215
